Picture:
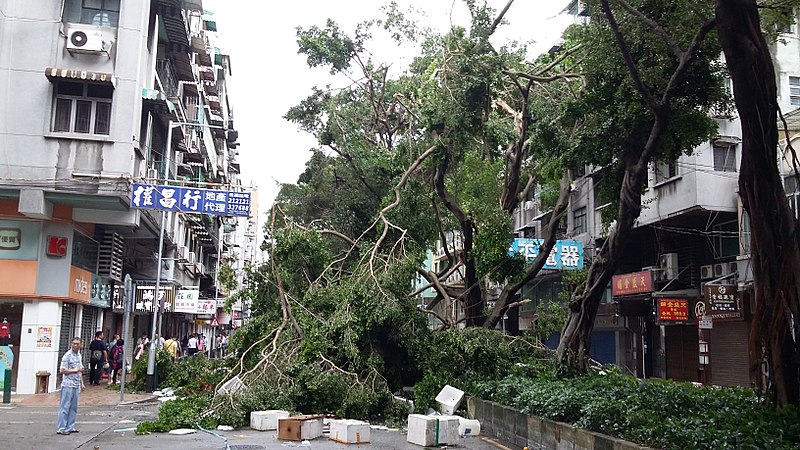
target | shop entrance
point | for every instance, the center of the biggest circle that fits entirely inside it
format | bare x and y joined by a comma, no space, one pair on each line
11,313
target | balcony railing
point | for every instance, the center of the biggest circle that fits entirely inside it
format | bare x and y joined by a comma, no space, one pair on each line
167,77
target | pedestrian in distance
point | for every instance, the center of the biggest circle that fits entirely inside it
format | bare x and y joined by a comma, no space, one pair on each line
71,385
171,346
117,359
98,358
191,346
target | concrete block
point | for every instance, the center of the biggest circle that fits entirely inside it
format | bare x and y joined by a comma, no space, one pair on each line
266,420
449,399
349,431
300,428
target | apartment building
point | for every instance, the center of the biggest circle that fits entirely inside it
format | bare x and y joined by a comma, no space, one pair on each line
96,95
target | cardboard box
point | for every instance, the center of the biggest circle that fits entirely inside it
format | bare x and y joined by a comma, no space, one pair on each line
431,431
349,431
266,420
300,428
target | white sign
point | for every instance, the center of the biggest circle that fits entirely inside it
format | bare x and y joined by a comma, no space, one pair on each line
705,323
186,301
205,306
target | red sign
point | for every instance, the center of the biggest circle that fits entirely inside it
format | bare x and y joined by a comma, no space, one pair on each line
673,310
631,283
57,246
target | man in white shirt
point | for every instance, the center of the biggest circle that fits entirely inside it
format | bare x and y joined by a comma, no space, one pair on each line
71,386
191,347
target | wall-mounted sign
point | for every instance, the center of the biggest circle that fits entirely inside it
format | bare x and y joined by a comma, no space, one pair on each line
57,246
206,306
10,238
631,283
190,200
72,74
186,301
566,255
100,293
722,302
673,310
80,284
44,337
144,299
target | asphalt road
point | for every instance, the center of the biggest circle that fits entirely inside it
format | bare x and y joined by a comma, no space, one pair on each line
108,427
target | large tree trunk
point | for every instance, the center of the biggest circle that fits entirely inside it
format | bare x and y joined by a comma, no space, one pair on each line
576,336
774,244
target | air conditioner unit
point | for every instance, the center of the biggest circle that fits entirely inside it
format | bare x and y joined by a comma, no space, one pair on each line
733,267
707,272
81,40
669,262
190,257
152,174
721,269
528,205
181,253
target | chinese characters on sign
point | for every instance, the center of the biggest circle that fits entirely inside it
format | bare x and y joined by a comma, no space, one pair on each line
205,306
722,301
44,337
190,200
673,310
10,238
566,255
186,301
145,298
631,283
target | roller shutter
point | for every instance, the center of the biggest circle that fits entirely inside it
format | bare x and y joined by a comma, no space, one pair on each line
729,358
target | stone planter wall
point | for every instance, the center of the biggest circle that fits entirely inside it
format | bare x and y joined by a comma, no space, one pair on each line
522,430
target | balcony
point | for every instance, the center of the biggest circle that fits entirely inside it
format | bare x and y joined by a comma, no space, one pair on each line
167,78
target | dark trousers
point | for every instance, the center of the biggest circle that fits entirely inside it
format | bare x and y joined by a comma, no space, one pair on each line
96,369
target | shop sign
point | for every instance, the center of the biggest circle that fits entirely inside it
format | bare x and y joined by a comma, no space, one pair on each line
10,238
206,306
673,310
100,294
722,302
118,298
44,337
566,255
190,200
57,246
632,283
80,284
144,299
186,301
6,362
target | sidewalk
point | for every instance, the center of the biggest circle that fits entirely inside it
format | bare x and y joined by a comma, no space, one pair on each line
98,395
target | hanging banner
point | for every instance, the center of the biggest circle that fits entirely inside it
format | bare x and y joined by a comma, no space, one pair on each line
566,255
186,301
190,200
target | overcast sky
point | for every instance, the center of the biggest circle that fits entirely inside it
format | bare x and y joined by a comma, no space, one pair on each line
269,76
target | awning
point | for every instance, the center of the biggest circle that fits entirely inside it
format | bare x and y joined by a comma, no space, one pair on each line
55,74
159,103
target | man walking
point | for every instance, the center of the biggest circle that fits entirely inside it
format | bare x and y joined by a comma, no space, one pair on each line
98,357
71,385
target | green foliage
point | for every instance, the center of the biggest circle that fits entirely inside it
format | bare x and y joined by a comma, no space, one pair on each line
657,413
189,412
227,278
195,375
326,47
164,367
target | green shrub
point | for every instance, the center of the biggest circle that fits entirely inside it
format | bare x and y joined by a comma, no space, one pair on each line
187,412
164,365
195,375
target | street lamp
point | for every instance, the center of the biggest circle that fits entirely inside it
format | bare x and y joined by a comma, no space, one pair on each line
152,382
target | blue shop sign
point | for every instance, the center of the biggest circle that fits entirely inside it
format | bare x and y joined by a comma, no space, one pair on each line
190,200
566,255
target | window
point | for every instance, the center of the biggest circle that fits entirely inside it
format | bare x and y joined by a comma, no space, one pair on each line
726,239
744,233
82,108
725,158
100,13
665,170
794,91
579,220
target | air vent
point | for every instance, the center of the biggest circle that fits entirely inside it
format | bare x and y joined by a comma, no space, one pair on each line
111,254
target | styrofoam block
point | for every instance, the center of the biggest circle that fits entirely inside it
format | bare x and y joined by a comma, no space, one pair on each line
266,420
421,430
469,427
449,399
349,431
430,431
299,428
